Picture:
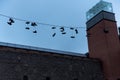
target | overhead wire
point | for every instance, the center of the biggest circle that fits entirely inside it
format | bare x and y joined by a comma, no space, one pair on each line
34,22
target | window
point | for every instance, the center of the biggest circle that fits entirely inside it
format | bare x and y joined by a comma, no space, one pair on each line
75,79
47,78
25,77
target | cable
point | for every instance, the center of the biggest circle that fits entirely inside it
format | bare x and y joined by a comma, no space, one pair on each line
62,29
38,22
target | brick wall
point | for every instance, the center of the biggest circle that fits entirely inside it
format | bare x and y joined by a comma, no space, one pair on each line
20,64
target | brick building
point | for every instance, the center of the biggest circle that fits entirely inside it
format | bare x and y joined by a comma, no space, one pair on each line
19,62
103,39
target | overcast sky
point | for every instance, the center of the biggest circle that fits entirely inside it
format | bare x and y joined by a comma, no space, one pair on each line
70,13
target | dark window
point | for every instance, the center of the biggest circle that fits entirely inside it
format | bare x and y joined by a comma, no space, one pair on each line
25,77
118,79
47,78
75,79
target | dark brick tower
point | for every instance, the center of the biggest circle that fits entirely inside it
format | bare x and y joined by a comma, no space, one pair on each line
103,40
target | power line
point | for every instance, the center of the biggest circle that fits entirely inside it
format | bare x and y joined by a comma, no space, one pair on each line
39,22
62,29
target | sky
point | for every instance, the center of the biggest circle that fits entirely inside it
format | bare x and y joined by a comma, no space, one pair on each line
67,13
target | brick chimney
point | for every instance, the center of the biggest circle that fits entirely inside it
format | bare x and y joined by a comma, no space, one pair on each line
103,40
